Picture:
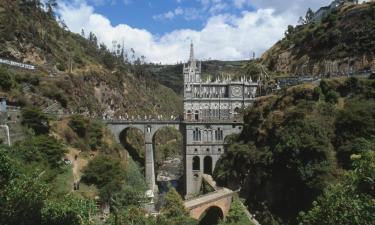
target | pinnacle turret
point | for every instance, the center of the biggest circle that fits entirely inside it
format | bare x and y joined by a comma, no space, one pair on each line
192,58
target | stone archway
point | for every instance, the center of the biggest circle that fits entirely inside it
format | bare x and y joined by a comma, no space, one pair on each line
168,153
132,138
212,216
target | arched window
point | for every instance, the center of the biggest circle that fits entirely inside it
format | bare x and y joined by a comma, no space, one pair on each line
196,134
189,115
196,163
196,115
207,165
219,134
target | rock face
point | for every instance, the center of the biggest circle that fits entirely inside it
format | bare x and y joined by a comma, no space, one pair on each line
342,43
289,63
170,170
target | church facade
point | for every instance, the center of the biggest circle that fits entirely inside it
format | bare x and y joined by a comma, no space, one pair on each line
214,100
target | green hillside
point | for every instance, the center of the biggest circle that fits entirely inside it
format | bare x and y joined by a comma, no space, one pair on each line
296,144
79,73
342,41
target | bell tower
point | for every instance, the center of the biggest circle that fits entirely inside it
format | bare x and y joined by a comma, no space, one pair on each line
192,73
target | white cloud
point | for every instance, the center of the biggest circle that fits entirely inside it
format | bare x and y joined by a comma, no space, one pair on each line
186,13
240,3
169,15
296,7
223,37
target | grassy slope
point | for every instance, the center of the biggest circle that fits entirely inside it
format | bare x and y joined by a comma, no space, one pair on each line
98,84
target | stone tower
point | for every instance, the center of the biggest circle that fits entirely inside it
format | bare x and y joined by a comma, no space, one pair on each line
210,114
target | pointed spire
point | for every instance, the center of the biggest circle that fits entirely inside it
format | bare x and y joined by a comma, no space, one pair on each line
191,59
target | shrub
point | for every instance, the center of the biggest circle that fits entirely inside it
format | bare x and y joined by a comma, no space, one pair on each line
5,79
61,66
348,202
107,173
70,211
34,118
27,78
78,125
51,149
7,169
332,96
95,135
45,149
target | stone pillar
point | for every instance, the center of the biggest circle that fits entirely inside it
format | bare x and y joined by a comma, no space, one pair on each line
149,158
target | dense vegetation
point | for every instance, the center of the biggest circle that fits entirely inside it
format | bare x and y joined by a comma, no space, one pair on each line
351,201
298,142
36,183
29,175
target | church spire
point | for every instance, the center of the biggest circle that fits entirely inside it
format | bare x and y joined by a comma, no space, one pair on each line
191,59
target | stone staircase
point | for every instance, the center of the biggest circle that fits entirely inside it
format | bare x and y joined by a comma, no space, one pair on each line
26,88
54,107
210,181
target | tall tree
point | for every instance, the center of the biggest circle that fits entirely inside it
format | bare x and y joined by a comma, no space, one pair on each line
51,5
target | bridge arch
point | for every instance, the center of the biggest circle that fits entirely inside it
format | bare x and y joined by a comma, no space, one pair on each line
211,216
168,150
136,146
167,134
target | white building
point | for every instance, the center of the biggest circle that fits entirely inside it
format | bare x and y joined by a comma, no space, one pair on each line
218,100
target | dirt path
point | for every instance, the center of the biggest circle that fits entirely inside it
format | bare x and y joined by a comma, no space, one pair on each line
77,165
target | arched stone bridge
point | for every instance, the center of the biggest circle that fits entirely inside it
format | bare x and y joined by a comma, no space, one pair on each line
221,199
149,129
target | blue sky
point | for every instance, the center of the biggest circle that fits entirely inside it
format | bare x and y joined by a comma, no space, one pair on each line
140,14
162,30
162,16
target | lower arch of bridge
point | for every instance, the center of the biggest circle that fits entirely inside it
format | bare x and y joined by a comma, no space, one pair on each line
211,216
167,142
133,140
142,137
